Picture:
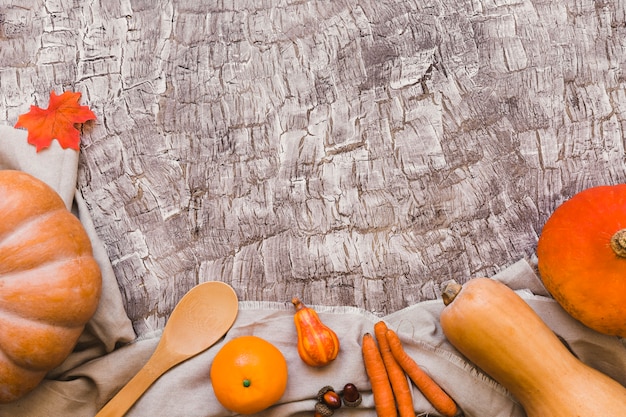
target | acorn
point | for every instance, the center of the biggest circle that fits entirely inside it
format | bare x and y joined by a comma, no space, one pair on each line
332,399
327,401
351,395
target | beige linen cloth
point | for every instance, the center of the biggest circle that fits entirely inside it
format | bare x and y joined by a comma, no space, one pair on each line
109,354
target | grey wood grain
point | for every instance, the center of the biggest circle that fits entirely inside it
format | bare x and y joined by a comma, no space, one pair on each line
347,152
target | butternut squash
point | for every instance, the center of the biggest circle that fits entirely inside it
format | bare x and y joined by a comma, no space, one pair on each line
499,332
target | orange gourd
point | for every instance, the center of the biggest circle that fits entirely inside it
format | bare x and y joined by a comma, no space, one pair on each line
497,330
582,257
49,282
318,344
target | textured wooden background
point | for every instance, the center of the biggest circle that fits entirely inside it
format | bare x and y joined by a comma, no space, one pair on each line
349,152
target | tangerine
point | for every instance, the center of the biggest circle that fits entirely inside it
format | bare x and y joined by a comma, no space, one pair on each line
249,374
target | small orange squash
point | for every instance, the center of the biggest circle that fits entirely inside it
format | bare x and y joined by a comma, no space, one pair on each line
582,257
318,344
497,330
49,282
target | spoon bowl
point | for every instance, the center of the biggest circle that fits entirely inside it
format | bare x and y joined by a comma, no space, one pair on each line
199,320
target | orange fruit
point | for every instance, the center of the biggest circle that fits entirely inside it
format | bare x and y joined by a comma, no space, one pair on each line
248,374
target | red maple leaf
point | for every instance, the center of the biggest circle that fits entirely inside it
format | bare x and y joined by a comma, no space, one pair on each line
56,122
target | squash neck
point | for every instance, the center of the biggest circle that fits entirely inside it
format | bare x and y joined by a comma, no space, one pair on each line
618,243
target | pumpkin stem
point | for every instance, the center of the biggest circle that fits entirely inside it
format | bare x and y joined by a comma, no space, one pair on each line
618,243
450,291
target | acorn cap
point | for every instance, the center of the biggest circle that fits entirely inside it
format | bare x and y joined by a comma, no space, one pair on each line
323,409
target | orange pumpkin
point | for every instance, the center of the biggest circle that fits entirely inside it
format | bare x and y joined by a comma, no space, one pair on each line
50,283
582,257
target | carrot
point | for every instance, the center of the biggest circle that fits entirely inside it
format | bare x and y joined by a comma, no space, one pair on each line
381,387
431,390
397,377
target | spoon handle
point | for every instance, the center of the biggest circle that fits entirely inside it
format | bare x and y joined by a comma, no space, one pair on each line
134,389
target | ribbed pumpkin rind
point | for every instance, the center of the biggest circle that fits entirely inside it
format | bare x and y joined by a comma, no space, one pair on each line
50,284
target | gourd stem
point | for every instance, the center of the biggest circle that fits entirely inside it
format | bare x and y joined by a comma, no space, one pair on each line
299,305
618,243
450,291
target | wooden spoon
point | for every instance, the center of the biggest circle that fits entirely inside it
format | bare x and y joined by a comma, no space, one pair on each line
199,320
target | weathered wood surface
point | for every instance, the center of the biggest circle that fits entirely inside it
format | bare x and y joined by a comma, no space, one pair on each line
349,152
